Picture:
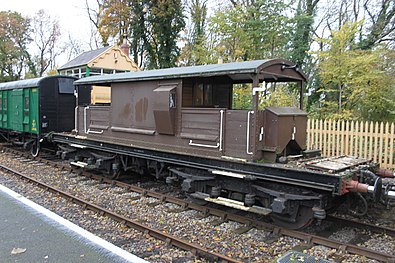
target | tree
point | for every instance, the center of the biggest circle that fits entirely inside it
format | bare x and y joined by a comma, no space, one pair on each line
95,15
14,38
198,10
376,28
249,30
378,18
72,48
151,27
227,28
268,28
379,100
301,39
194,51
380,23
354,80
165,20
115,19
46,35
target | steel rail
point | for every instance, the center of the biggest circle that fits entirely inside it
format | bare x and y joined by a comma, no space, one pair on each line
169,239
354,223
308,238
345,247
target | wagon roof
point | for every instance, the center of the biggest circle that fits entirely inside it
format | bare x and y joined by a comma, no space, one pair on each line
27,83
236,70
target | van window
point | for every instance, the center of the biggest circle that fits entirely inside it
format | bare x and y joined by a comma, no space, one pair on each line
66,86
202,94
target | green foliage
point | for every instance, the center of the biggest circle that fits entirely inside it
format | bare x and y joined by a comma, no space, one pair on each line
165,20
242,97
355,84
282,95
198,10
228,28
301,37
153,28
242,32
268,29
14,38
247,32
194,52
275,95
350,74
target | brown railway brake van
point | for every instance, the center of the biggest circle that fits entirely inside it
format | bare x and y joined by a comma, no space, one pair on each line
189,110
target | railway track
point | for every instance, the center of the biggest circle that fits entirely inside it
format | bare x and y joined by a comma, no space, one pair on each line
307,238
362,225
169,239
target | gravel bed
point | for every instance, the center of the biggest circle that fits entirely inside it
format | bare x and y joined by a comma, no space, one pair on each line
129,239
253,246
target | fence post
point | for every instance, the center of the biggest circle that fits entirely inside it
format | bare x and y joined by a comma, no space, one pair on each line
308,143
392,144
381,138
386,145
365,150
333,136
316,139
338,142
371,137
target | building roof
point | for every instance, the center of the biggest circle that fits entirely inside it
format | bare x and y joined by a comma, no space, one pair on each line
27,83
84,58
236,70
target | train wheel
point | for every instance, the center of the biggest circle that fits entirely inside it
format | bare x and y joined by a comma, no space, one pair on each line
303,218
35,149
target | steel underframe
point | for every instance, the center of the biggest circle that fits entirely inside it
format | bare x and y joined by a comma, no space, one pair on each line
267,172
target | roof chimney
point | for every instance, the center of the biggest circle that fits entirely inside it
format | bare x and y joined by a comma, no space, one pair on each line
125,47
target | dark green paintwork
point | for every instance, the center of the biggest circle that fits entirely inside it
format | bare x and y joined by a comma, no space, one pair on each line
34,126
4,111
16,110
19,110
1,109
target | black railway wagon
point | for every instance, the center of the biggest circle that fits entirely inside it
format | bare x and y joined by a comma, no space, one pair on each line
180,124
32,109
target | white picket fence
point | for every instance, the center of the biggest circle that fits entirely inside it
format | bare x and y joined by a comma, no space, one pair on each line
371,140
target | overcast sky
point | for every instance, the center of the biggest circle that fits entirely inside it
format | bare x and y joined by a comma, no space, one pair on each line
70,13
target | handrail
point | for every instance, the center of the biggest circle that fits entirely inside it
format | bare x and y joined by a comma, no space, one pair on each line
75,93
221,130
76,119
248,131
95,132
203,145
85,120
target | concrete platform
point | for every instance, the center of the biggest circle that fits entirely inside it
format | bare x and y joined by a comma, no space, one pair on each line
31,233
